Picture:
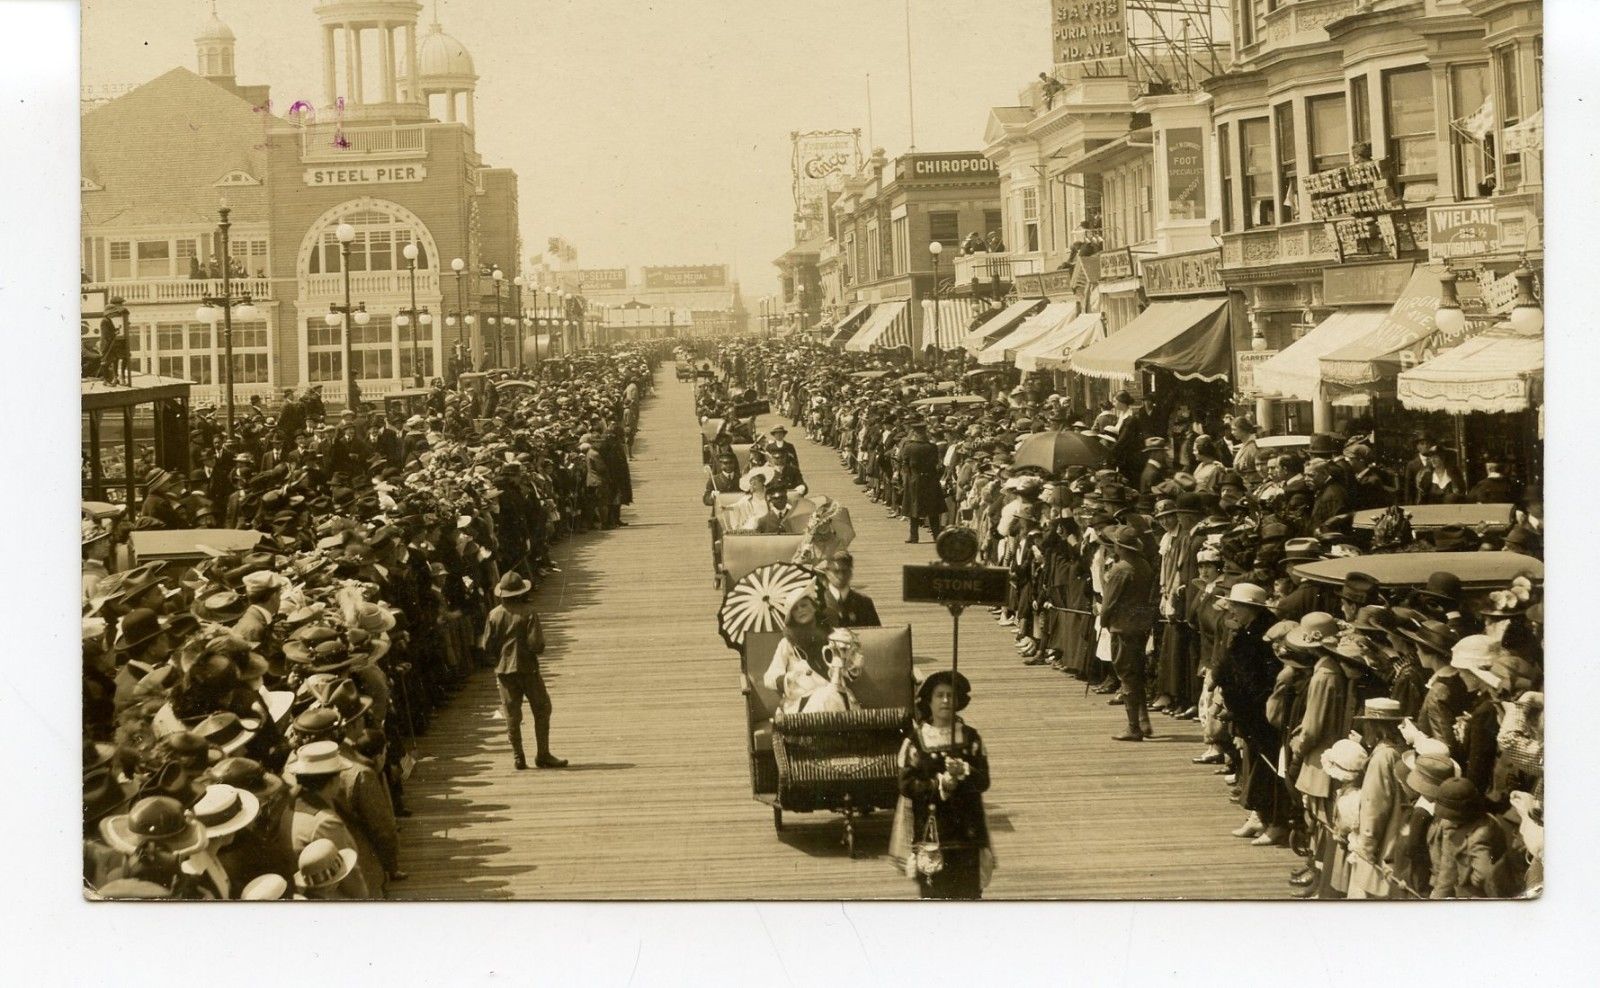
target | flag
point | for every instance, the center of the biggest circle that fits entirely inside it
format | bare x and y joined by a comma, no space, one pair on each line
1481,122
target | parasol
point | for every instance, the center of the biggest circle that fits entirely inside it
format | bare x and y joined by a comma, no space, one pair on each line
1054,451
937,400
710,428
826,526
514,383
871,375
755,602
916,378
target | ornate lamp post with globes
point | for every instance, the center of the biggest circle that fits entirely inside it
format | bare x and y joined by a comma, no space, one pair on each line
413,316
935,249
213,305
343,315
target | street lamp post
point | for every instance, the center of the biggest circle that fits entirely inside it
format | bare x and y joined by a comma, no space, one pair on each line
344,315
935,248
226,303
499,349
516,306
466,321
414,317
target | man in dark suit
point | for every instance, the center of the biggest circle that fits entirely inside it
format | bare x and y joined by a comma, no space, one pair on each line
782,454
921,496
844,607
1127,611
1494,488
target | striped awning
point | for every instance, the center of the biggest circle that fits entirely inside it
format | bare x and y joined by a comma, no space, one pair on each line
888,326
1187,338
1296,370
847,326
949,328
1489,373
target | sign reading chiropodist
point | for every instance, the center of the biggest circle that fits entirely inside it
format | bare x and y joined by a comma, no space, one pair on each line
936,167
1088,30
365,174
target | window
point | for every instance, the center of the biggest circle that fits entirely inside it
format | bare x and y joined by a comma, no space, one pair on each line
1471,130
902,246
872,252
1030,219
199,336
327,365
254,255
377,246
1327,132
1409,132
249,368
1247,22
1510,106
1360,112
1255,169
424,356
1288,180
155,259
945,227
991,221
1225,159
121,266
200,368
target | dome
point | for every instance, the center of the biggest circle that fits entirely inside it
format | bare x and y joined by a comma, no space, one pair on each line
214,30
438,54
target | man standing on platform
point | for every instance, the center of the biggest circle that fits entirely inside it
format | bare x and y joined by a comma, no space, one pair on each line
921,496
514,638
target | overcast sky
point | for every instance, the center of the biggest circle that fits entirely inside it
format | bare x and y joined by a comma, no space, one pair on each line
649,132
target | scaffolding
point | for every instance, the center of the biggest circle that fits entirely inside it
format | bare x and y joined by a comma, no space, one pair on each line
1174,46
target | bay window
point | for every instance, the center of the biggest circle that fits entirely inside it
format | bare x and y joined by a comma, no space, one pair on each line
1409,131
1255,170
1288,181
1327,132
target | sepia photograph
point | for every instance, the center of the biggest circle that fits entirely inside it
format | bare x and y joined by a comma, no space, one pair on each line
892,450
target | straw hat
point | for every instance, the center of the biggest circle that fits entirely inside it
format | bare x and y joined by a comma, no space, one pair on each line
224,810
324,865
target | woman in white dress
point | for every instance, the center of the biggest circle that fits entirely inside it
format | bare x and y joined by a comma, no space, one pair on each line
753,512
812,666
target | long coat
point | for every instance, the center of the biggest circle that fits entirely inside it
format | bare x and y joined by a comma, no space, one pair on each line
1323,724
919,478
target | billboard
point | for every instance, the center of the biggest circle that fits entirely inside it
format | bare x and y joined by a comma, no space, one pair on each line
953,164
819,154
687,276
592,279
1186,173
1088,30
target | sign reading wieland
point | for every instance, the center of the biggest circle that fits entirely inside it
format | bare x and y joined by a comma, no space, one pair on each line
1089,30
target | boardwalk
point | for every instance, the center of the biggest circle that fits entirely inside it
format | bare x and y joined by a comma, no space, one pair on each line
657,801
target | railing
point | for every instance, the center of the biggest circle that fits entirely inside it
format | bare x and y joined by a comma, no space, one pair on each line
1004,265
330,142
368,283
165,290
1288,243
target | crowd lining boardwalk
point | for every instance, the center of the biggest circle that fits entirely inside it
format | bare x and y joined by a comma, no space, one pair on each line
656,804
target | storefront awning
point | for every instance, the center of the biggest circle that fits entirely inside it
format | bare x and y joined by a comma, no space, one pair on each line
1489,373
1187,338
1295,372
975,341
950,327
1056,350
1377,357
847,326
880,329
1029,330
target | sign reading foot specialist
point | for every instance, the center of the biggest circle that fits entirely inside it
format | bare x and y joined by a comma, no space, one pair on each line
365,174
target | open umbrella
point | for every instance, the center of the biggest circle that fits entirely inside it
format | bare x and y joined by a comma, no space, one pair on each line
711,427
755,602
827,527
940,400
514,383
916,378
1055,451
871,375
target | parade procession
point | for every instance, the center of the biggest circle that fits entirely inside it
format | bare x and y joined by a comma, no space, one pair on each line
1134,490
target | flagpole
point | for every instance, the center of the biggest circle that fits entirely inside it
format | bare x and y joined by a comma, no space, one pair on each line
911,107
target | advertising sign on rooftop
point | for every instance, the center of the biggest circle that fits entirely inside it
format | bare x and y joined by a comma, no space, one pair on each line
1088,30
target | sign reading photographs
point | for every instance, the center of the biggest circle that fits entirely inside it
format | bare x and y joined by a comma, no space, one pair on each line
933,167
688,276
1186,173
593,279
1088,30
1462,231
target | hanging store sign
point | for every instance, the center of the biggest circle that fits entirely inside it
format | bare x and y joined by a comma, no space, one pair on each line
940,584
1244,375
1088,30
1053,285
1198,273
1365,284
1462,231
1364,214
366,175
1116,265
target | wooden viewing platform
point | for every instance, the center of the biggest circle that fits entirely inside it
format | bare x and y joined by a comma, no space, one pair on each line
657,805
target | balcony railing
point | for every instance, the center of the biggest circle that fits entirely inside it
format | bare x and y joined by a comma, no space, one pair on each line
176,290
364,284
331,142
986,267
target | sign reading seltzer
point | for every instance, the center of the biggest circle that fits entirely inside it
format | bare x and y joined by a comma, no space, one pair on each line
940,584
365,174
1089,30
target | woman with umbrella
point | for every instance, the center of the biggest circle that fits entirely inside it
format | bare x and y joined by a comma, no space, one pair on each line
944,772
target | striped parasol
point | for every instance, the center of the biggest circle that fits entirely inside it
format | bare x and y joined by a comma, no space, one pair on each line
756,602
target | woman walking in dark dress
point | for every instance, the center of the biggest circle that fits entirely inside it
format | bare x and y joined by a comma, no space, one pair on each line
944,772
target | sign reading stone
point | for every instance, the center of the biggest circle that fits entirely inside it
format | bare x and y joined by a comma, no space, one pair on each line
954,585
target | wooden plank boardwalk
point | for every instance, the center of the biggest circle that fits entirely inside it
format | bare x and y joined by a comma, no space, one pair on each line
656,804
